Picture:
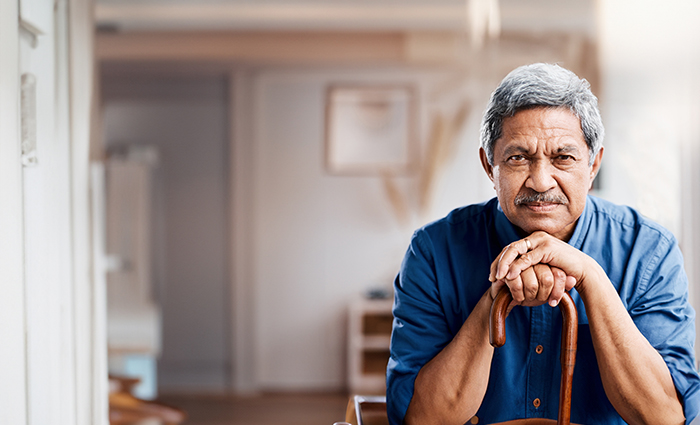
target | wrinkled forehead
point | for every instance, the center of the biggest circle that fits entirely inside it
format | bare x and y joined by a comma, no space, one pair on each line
556,147
546,130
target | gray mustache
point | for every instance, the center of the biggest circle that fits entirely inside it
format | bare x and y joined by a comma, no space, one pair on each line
545,197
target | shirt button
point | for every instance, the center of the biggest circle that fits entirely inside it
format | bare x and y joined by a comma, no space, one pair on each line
474,420
539,349
536,402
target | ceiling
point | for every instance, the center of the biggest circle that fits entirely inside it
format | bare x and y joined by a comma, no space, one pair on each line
536,16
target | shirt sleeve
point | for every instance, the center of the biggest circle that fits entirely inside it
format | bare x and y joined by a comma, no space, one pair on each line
665,317
420,330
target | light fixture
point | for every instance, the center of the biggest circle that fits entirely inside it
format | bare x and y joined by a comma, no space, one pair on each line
483,20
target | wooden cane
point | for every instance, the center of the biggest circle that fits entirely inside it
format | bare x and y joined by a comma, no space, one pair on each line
497,334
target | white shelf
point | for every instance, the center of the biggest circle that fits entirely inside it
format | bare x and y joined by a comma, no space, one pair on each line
369,336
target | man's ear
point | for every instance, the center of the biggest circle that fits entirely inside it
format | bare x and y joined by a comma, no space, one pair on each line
485,163
596,165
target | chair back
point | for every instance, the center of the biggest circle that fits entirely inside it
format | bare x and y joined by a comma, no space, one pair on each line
366,410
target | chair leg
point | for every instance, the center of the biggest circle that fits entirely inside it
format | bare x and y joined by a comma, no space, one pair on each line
350,413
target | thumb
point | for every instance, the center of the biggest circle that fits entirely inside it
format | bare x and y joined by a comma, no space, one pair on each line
570,283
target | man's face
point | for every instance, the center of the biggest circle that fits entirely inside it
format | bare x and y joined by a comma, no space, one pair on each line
540,170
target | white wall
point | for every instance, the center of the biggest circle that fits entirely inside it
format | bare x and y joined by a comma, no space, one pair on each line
650,59
320,240
306,242
645,47
185,118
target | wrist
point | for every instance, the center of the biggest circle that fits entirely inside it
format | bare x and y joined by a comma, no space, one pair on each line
482,312
488,296
591,276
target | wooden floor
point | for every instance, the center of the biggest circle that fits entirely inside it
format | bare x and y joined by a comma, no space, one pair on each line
268,409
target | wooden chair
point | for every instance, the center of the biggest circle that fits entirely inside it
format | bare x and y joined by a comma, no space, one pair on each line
366,410
125,409
497,329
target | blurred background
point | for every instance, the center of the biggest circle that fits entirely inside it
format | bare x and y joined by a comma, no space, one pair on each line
267,161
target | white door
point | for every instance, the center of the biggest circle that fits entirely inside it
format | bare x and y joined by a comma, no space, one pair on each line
50,365
13,407
46,175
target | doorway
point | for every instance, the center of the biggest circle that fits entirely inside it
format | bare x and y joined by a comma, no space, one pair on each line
181,121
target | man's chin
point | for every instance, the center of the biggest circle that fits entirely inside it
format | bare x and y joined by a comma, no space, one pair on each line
557,230
531,223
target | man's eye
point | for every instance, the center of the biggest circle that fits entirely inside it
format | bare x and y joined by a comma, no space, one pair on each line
565,158
516,158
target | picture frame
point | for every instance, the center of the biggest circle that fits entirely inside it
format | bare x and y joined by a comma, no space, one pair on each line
370,130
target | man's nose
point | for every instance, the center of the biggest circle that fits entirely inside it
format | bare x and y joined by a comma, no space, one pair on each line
541,177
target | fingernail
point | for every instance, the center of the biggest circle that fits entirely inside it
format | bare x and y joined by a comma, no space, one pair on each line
553,303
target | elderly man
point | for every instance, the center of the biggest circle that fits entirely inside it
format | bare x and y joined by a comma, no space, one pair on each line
541,146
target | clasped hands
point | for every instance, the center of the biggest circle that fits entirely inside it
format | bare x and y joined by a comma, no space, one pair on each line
538,269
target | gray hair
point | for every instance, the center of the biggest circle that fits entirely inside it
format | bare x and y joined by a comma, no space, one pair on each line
548,86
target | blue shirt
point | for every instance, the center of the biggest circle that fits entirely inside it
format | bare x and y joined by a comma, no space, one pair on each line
445,273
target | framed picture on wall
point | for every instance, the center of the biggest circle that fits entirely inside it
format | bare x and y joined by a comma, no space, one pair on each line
370,130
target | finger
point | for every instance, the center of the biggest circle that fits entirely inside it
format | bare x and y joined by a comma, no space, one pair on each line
510,254
516,289
570,283
545,278
496,286
530,284
559,286
523,262
494,264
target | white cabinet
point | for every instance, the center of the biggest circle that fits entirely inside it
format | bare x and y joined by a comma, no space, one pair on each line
133,317
369,334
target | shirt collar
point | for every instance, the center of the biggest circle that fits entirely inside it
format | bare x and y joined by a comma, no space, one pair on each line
507,232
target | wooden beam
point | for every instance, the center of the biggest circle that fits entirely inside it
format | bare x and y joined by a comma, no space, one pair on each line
442,48
252,47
